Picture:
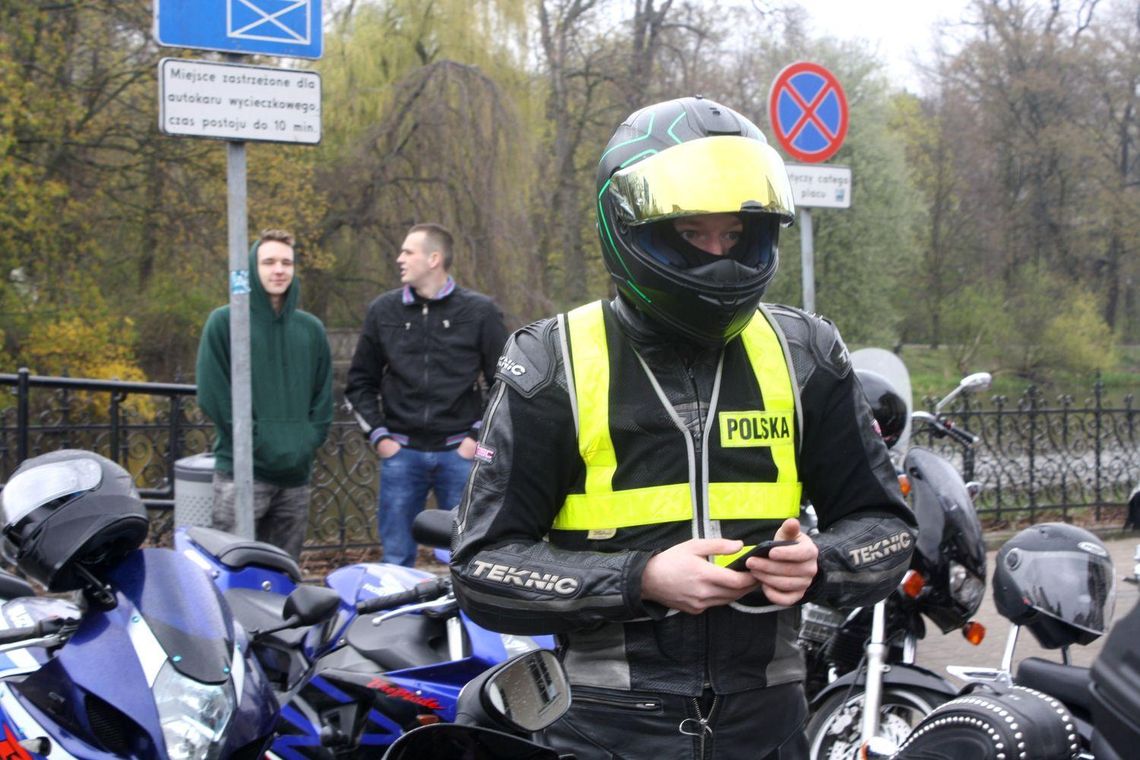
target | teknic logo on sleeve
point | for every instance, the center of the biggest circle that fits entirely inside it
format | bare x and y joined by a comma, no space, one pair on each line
755,428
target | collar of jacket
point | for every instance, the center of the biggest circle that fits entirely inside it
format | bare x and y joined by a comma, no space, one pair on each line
412,297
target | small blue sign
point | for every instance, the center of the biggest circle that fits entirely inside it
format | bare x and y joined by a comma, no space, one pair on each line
287,28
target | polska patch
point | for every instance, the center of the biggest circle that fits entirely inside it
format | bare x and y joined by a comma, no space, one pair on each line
484,453
739,429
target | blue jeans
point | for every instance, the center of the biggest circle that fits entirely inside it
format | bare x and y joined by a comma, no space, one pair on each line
405,480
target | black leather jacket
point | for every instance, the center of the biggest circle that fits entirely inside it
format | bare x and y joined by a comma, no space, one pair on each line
513,574
416,367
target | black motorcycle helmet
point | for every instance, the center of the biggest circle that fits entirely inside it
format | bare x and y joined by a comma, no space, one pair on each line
680,158
886,404
69,514
1058,581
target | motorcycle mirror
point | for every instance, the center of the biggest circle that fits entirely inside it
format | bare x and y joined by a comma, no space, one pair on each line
978,381
311,604
433,527
305,605
525,694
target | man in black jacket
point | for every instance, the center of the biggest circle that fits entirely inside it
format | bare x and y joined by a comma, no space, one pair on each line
633,448
414,384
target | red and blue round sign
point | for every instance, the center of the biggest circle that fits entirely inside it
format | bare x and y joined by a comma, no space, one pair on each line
808,111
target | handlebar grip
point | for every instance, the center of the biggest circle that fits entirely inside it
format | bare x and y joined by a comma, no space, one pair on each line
418,593
963,436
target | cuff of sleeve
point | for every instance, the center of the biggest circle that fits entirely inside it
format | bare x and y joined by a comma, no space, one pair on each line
378,433
473,431
641,607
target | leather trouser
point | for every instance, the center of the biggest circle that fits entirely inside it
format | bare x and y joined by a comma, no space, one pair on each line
604,724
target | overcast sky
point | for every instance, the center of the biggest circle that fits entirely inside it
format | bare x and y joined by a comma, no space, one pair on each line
896,29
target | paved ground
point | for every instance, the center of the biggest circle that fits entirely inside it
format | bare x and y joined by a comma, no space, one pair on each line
937,651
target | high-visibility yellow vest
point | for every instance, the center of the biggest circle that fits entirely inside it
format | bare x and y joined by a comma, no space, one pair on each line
750,443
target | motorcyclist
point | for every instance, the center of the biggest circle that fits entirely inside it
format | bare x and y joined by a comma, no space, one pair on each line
633,447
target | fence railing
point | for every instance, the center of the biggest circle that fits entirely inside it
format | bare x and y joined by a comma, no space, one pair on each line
1041,460
1035,462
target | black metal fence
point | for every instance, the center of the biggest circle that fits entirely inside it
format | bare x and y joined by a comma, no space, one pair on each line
1037,460
1042,459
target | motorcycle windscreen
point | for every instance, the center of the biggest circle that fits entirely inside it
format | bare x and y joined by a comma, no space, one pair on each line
183,609
948,525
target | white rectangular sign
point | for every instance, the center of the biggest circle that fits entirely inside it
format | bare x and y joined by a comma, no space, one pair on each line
228,101
820,185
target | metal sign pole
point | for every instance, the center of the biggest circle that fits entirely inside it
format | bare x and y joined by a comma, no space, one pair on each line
242,406
807,260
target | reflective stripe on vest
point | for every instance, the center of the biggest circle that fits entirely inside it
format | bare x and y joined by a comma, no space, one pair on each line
601,507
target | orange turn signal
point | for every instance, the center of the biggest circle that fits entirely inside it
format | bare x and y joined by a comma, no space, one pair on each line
904,484
974,632
913,583
427,719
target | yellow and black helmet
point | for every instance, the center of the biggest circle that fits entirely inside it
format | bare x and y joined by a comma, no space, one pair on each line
681,158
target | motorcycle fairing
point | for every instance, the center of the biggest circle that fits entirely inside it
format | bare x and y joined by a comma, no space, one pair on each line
188,618
19,724
948,529
164,601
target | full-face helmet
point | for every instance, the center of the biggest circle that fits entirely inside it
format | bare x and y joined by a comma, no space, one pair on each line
69,514
1058,581
681,158
887,405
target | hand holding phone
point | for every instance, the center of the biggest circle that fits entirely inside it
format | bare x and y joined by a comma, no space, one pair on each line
760,550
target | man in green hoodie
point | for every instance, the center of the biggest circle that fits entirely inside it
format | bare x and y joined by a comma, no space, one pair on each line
291,389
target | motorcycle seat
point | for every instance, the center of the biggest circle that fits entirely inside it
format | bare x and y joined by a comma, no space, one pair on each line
1068,683
238,553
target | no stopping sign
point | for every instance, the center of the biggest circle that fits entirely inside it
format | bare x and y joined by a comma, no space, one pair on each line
808,112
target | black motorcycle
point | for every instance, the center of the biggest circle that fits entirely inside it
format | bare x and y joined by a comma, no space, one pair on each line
867,656
1057,581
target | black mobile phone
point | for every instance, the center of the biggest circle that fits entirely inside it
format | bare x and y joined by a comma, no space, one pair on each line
760,550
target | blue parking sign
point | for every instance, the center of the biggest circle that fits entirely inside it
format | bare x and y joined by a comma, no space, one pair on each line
288,28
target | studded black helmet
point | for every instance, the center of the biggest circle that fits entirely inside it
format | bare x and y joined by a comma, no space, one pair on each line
682,158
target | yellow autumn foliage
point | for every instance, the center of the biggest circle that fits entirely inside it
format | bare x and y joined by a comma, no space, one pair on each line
97,348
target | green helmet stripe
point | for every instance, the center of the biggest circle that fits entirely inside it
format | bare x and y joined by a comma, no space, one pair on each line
648,132
669,131
638,157
608,239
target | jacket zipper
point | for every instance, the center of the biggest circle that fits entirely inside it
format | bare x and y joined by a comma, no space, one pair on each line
703,729
427,383
630,703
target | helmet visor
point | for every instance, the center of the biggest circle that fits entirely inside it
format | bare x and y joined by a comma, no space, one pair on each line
33,488
1076,587
723,174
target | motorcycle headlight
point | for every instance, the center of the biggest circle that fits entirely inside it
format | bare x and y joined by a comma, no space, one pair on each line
965,587
194,715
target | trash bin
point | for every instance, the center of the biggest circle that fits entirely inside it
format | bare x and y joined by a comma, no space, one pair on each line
194,490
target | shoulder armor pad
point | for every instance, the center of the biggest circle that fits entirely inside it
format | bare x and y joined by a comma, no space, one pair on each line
813,341
529,361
